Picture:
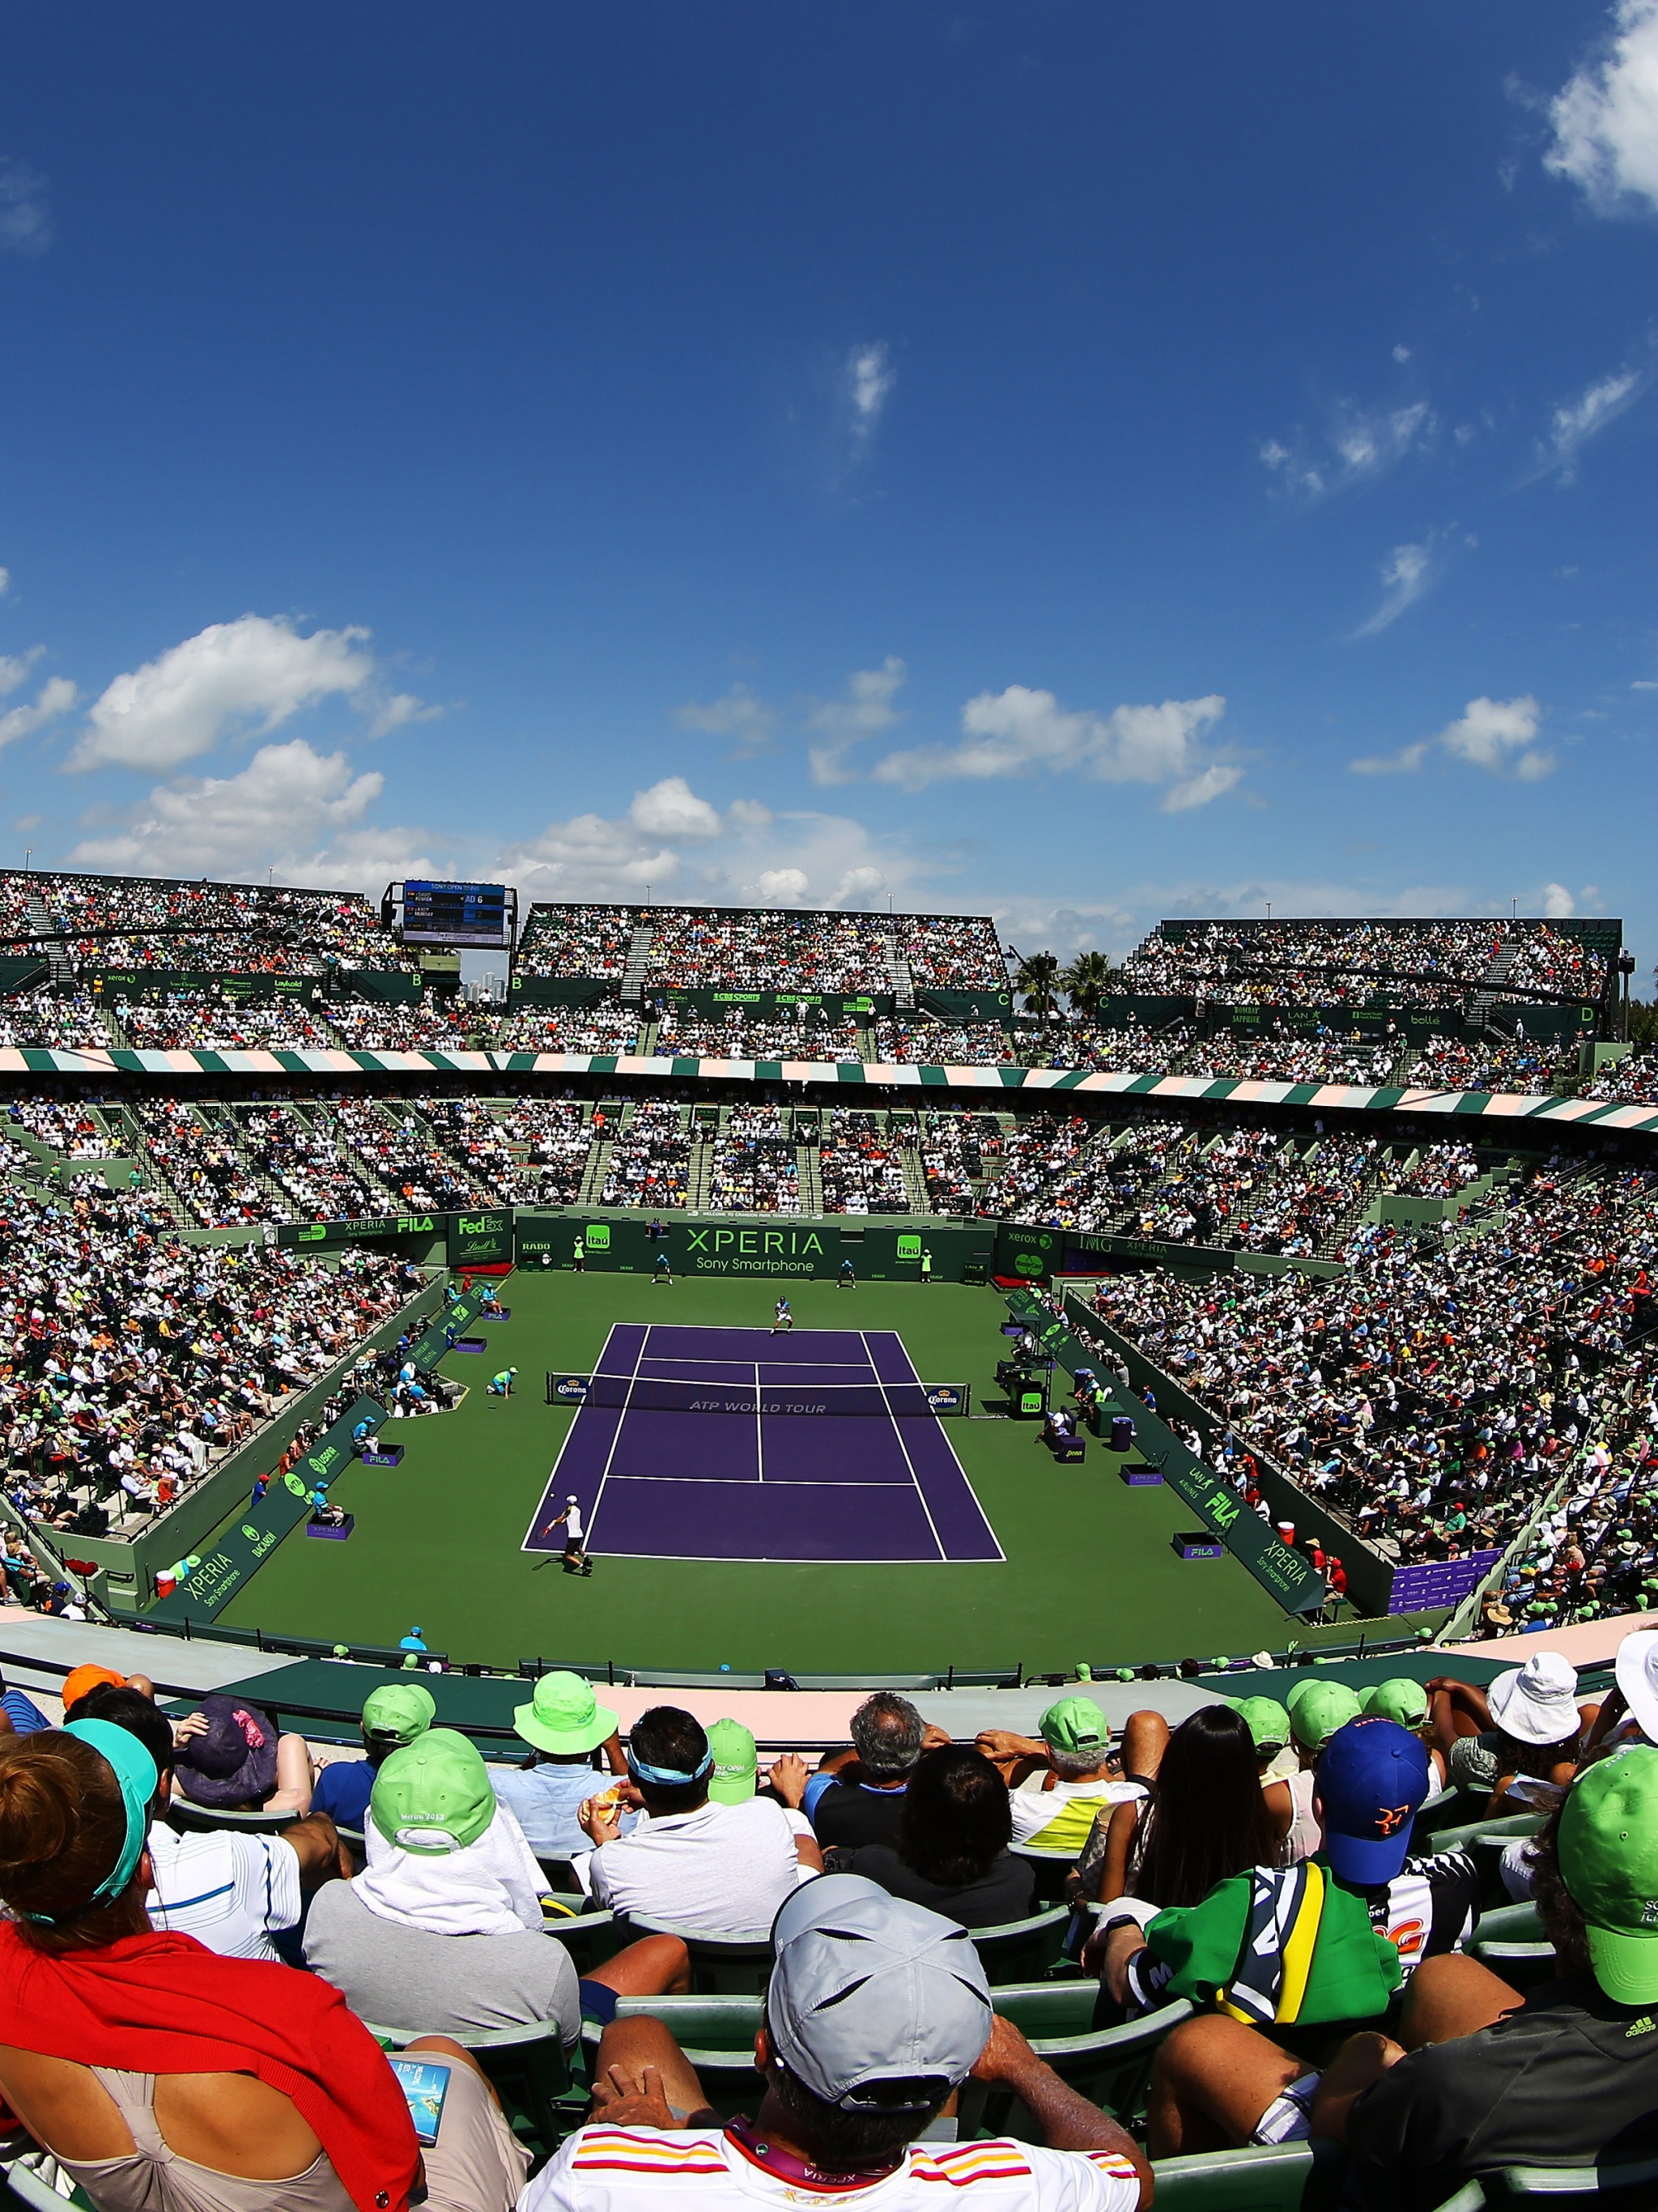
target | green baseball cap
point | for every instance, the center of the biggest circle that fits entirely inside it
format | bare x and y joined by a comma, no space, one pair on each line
736,1763
1074,1726
1266,1719
1400,1699
402,1711
564,1715
1317,1709
433,1796
1608,1848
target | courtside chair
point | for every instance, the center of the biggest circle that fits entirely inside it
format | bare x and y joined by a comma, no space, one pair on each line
1022,1950
735,1965
528,2069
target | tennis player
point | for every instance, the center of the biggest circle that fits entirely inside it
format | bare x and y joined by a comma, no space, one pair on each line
501,1386
782,1318
576,1561
663,1271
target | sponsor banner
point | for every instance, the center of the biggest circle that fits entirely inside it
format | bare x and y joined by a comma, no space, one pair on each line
850,1247
368,1229
980,1006
859,1006
482,1239
136,985
244,1546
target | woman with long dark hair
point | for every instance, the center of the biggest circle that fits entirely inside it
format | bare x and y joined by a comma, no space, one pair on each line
952,1854
1206,1819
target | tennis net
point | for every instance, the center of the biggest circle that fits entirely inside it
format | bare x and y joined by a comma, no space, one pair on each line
663,1395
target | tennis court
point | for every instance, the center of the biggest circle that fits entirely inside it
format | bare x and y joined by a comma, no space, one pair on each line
735,1444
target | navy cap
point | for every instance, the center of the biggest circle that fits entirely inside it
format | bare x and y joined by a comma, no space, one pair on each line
1372,1775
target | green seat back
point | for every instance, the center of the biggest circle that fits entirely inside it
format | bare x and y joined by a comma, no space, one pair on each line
1634,2181
1273,2179
590,1938
1021,1950
735,1965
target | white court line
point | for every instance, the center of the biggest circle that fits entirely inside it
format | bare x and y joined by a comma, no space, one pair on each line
592,1518
896,1426
759,1427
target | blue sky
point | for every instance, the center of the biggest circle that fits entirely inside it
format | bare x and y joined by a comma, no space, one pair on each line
1076,461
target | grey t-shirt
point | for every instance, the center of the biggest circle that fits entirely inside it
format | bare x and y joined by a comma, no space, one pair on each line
401,1977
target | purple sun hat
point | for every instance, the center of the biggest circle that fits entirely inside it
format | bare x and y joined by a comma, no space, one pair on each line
235,1763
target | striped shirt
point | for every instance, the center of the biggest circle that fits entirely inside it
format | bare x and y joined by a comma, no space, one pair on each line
602,2169
229,1891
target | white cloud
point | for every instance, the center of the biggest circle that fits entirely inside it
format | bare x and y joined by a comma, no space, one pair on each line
15,669
1405,576
1497,735
1575,421
5,581
858,885
1018,729
866,710
56,696
738,713
672,809
1401,353
1405,762
401,708
25,222
1558,902
1606,120
870,378
282,806
782,886
249,675
1357,446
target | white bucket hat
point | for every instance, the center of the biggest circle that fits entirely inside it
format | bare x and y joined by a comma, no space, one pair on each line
1637,1678
1536,1703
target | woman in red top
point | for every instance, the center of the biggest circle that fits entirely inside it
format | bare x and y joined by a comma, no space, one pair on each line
164,2078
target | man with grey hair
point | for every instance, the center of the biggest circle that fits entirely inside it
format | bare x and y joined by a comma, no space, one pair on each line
876,2011
857,1795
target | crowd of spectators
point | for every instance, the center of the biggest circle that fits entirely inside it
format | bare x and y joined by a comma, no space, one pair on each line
1548,958
1130,1050
576,940
1052,1171
199,1161
1324,1058
136,921
303,1151
1214,960
860,1162
1435,1171
746,1034
432,1023
1436,1391
649,1163
396,1146
959,1149
952,952
52,1021
556,1142
1631,1081
132,1362
1494,1064
207,1020
902,1039
755,1165
74,1130
745,949
606,1026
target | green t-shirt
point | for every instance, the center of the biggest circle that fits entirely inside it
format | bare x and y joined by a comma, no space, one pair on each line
1311,1955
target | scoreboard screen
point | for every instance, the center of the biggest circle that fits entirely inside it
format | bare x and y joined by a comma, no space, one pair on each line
455,913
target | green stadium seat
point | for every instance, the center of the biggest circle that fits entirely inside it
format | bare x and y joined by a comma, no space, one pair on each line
589,1937
1051,1869
200,1819
529,2070
735,1965
1021,1950
716,2034
1562,2186
1269,2178
1111,2066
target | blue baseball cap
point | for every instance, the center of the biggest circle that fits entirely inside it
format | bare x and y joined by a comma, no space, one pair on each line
1372,1775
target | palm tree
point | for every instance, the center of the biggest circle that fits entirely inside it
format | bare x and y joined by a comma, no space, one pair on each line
1088,979
1035,980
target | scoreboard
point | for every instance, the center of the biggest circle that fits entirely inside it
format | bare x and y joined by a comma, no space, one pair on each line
456,914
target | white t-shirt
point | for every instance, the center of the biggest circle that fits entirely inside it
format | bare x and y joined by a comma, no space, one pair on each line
229,1891
574,1530
601,2169
724,1868
1059,1819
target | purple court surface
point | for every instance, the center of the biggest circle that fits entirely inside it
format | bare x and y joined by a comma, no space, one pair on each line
795,1485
